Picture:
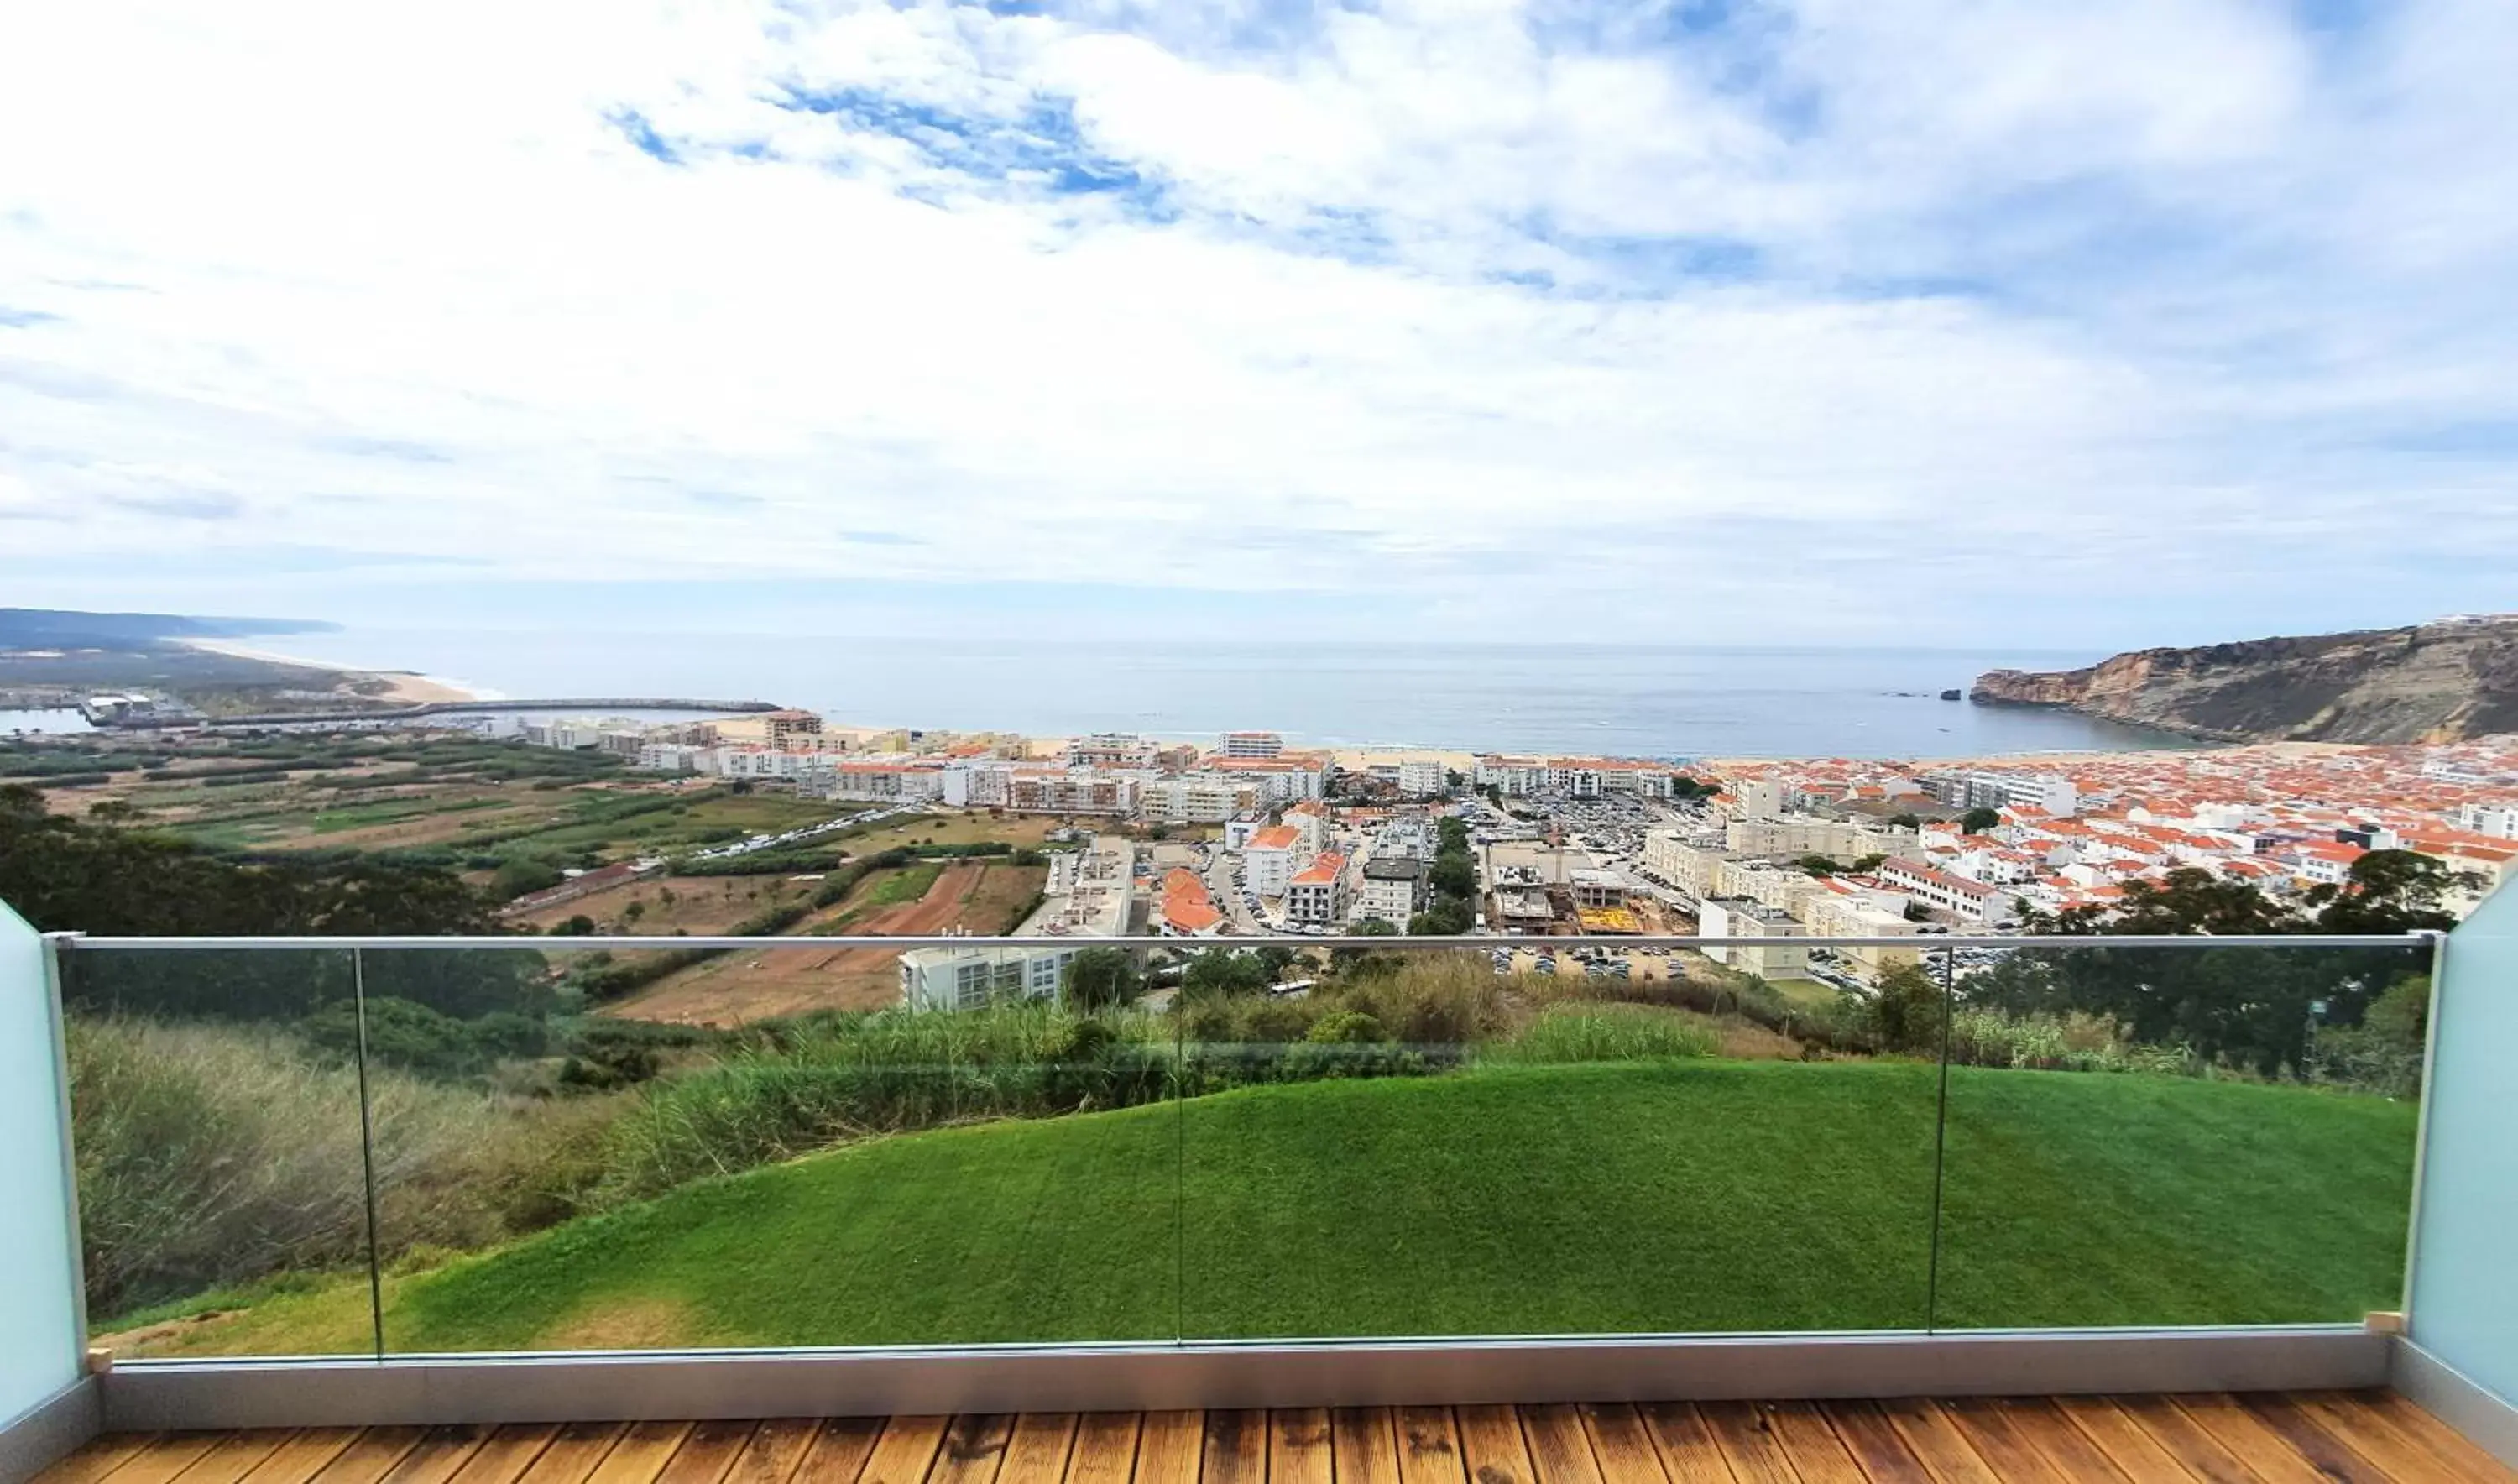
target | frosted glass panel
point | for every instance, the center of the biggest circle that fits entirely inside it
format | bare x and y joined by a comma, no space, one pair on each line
38,1313
2466,1289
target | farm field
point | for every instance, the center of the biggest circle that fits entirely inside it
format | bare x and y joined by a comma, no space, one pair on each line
1699,1195
980,896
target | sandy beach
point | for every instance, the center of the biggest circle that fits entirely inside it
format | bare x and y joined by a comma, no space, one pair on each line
403,686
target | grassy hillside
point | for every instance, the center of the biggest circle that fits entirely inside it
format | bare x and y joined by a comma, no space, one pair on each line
1698,1195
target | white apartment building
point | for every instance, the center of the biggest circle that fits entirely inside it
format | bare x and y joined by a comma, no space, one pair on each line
1196,799
1423,780
1285,779
671,757
2497,820
1269,860
977,976
1686,865
1076,792
1251,744
1575,778
1393,890
1975,901
884,782
978,783
1724,917
1849,912
1807,835
1756,799
1975,789
1319,893
1111,748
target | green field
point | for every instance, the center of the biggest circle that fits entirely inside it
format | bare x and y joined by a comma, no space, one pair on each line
1661,1197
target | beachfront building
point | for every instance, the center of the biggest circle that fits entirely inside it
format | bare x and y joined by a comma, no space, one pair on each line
1393,888
1575,778
1269,860
1251,744
1423,779
978,783
1978,789
1319,894
1111,748
1787,956
977,976
1286,778
905,781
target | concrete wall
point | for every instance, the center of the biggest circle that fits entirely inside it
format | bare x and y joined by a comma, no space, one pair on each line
2465,1285
39,1269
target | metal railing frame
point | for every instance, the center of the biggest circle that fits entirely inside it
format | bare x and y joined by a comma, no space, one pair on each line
412,1387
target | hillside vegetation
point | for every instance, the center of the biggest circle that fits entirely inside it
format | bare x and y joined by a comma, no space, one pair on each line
1642,1197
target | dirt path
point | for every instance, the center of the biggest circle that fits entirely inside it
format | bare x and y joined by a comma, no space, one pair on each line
818,974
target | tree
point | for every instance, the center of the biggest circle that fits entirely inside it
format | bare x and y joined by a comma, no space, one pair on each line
1454,874
1976,821
1906,1010
1097,978
1453,780
524,875
1904,822
633,911
1864,865
1817,866
1224,971
2390,891
1372,927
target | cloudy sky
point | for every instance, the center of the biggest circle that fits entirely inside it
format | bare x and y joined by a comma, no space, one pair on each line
1842,321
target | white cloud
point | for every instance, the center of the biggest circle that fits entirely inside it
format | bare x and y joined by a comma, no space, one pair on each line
1990,309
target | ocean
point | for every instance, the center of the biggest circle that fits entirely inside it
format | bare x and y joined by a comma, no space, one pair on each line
1654,702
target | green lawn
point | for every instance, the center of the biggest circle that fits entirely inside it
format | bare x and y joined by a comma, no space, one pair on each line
1703,1195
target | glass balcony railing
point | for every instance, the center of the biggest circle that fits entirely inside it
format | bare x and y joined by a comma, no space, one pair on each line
409,1147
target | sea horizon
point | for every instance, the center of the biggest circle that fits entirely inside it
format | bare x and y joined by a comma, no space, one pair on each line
1634,700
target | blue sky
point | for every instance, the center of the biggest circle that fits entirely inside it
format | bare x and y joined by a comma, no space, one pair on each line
1945,321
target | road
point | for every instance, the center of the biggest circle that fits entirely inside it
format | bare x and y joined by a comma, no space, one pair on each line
1219,885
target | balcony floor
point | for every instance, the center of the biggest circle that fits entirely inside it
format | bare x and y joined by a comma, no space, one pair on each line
2306,1437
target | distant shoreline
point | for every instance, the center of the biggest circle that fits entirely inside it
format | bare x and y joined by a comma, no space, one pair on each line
404,688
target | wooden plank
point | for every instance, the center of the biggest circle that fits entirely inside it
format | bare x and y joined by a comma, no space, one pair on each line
575,1451
905,1451
1818,1455
2194,1448
507,1454
2249,1440
1169,1447
1298,1447
237,1456
2125,1443
1936,1441
169,1457
1747,1442
1364,1445
1491,1445
2005,1448
374,1454
707,1452
440,1454
831,1450
2356,1415
973,1450
1622,1447
641,1454
2069,1449
97,1458
1560,1451
1875,1443
1236,1448
302,1457
2328,1455
1429,1447
1038,1455
1106,1448
1685,1443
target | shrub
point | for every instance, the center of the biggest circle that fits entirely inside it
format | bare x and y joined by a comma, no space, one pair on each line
1352,1028
1596,1032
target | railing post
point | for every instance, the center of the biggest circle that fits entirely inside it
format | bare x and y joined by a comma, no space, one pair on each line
58,947
2422,1123
1941,1144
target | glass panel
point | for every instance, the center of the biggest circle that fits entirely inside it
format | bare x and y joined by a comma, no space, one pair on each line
812,1144
222,1178
1395,1141
38,1317
2179,1136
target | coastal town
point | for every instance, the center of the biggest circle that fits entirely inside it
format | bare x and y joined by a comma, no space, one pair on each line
1245,835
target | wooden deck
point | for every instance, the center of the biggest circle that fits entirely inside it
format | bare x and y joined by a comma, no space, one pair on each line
2277,1439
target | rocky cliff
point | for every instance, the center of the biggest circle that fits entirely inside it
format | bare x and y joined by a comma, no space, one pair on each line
2433,682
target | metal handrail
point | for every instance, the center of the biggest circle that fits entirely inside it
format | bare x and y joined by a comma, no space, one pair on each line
1489,942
